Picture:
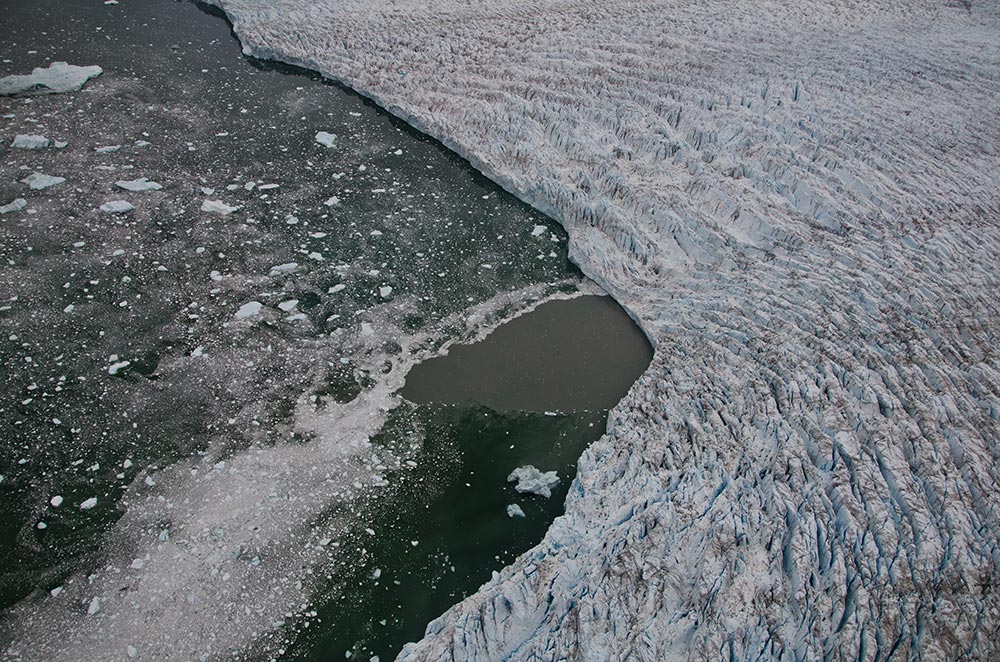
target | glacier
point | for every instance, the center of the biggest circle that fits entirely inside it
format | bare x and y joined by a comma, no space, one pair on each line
799,205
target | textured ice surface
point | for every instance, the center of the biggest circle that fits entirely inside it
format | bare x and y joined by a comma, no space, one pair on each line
57,77
531,480
138,185
798,202
30,141
17,204
117,207
37,181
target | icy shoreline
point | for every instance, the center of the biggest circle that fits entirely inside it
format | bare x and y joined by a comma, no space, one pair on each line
803,229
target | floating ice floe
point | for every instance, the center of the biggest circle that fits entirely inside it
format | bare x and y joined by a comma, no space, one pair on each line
217,207
385,292
138,185
30,141
16,205
117,367
532,481
37,181
538,230
117,207
287,306
514,510
326,139
57,77
107,149
282,269
248,310
89,503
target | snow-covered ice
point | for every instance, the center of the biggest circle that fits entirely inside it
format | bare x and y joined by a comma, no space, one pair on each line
37,181
30,141
248,310
17,204
57,77
514,510
533,481
138,185
326,139
117,207
218,207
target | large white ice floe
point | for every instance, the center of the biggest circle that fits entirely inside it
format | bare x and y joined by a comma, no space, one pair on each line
30,141
138,185
57,77
806,228
117,207
37,181
531,480
17,204
218,207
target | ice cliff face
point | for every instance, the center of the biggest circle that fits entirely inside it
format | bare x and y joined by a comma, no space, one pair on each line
799,203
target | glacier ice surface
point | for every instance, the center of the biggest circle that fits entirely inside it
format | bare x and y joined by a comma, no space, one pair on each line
531,480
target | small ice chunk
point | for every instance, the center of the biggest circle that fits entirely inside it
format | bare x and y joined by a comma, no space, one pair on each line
248,310
17,205
514,510
288,305
89,503
115,368
56,591
326,139
37,181
56,501
538,230
217,207
138,185
59,144
29,141
332,201
283,269
57,77
117,207
340,287
130,650
137,564
267,187
107,149
367,329
385,291
207,191
532,481
95,606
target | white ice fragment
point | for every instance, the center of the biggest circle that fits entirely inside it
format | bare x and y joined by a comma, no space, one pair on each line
514,510
37,181
217,207
107,149
283,269
115,368
95,606
89,503
267,187
138,185
326,139
336,288
366,329
56,591
117,207
28,141
288,305
130,650
137,564
59,144
332,201
385,291
57,77
69,308
56,501
17,205
248,310
375,233
538,230
207,191
532,481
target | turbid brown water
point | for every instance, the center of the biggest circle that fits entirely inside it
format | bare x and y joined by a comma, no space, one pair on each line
573,354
